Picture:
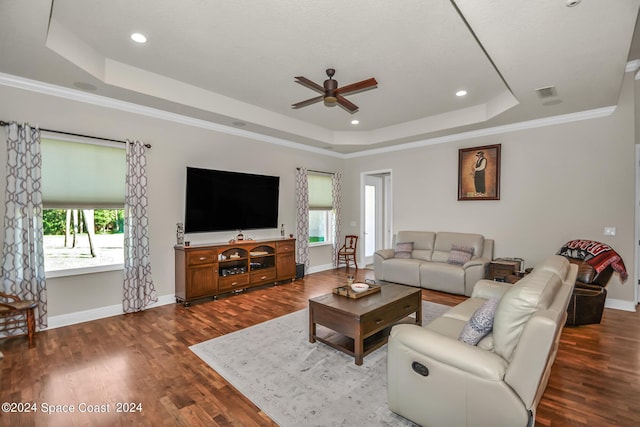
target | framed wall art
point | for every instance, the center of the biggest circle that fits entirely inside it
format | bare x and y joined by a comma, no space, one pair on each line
479,173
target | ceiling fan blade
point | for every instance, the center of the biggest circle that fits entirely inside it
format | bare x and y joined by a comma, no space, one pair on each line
356,87
308,83
308,102
344,102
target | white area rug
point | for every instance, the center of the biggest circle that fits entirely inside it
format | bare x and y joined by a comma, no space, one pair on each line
298,383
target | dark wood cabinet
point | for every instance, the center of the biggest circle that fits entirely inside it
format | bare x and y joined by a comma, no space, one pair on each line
212,269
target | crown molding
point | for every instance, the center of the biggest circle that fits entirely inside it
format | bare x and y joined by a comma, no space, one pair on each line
496,130
129,107
103,101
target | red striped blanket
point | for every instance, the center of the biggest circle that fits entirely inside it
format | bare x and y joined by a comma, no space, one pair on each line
596,254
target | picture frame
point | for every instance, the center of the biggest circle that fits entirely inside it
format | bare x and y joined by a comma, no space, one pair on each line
479,173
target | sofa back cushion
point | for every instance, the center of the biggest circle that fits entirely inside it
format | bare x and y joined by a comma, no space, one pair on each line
446,240
534,292
422,242
556,264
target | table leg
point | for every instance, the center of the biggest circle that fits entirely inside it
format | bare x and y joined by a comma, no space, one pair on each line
312,326
419,313
358,348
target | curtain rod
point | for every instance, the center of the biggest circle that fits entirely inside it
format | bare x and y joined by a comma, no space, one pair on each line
3,123
326,173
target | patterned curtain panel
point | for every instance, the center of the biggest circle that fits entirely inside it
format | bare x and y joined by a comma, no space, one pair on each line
302,207
23,254
139,290
336,183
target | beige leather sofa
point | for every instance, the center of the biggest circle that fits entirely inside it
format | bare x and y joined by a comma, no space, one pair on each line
428,265
434,379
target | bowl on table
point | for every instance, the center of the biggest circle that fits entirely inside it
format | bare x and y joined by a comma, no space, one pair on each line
359,287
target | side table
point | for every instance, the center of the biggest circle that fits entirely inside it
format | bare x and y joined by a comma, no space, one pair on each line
505,269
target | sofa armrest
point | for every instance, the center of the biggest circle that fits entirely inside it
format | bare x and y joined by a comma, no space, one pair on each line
487,289
385,253
476,262
467,358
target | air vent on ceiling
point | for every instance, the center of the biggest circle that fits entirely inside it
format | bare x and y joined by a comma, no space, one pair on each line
547,92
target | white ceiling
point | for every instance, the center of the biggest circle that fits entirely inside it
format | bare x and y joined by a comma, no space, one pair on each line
233,62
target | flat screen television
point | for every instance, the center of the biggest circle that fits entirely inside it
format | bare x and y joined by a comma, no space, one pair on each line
221,201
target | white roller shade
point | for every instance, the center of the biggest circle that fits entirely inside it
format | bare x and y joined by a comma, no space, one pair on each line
82,175
320,192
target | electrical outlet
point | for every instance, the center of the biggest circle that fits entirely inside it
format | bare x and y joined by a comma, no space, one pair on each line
609,231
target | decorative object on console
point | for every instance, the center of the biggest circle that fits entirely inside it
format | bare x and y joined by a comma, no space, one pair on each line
479,173
180,233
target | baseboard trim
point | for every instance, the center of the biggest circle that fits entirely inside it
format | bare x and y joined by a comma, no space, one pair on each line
619,304
99,313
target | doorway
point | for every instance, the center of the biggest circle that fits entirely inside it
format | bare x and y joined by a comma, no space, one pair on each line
376,213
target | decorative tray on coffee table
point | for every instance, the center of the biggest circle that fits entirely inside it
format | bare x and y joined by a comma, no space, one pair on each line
346,291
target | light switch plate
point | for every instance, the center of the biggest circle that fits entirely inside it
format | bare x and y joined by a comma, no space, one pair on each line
609,231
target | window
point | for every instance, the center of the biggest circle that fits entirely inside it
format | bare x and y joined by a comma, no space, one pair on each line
83,187
321,213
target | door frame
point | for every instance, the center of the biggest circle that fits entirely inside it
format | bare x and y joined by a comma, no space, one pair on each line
387,208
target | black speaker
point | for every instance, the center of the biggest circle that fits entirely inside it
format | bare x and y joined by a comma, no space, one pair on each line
299,271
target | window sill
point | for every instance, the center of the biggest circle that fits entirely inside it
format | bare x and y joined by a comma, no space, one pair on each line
83,270
315,245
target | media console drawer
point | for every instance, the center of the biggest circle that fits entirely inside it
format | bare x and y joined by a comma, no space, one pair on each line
236,281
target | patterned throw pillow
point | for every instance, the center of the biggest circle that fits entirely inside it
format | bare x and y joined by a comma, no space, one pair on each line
480,324
403,250
459,254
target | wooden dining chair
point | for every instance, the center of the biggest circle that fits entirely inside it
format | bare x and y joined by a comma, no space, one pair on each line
15,314
347,252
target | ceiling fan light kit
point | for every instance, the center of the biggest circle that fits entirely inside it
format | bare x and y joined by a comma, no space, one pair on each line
332,94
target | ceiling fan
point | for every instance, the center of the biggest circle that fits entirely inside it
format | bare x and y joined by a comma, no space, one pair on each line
331,93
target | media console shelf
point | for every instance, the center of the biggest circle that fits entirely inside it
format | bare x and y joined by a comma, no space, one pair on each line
212,269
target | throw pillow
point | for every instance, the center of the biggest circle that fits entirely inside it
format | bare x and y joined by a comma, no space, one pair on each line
480,324
460,254
403,250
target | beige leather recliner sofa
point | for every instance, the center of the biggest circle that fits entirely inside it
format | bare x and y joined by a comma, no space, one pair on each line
428,265
436,380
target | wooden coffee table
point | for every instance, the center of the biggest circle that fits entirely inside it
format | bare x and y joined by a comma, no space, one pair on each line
360,326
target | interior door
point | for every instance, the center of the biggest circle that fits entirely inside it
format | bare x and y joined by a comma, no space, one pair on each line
375,214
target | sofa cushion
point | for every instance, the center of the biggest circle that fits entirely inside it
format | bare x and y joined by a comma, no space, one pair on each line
480,324
403,270
460,254
422,242
403,250
445,240
441,276
532,293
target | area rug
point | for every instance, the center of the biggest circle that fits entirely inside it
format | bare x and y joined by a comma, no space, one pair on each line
299,383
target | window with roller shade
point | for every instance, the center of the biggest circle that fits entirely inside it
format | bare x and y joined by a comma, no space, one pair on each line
83,189
320,208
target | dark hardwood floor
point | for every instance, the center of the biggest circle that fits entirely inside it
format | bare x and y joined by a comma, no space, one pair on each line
143,360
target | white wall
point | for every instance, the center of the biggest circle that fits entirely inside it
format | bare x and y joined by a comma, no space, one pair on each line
558,183
174,146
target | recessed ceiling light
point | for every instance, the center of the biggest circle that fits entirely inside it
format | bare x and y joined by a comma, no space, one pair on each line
461,93
355,122
138,38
